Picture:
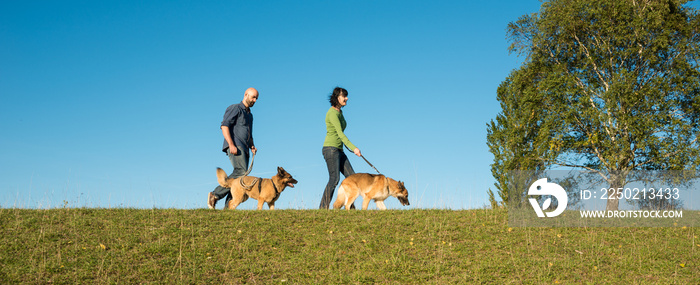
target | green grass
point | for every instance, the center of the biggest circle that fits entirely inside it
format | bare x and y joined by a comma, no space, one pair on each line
128,246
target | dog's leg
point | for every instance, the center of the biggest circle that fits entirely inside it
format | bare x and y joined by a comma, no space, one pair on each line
260,203
232,205
236,199
380,205
271,205
365,202
350,200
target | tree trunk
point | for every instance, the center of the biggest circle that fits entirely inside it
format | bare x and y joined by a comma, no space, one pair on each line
617,181
613,202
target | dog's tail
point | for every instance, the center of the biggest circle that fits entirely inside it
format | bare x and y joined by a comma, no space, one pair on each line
221,176
342,198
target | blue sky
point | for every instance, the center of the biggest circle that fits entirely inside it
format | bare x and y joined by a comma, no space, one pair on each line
119,103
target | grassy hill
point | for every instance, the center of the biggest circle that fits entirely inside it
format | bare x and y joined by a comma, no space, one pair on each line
166,246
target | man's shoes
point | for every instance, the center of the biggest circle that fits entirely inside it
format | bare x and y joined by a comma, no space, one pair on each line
211,202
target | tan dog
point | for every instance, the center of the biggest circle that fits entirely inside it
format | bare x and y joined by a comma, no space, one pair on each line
371,187
261,189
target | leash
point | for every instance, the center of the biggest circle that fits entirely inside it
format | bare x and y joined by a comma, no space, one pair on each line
248,187
252,159
370,164
375,169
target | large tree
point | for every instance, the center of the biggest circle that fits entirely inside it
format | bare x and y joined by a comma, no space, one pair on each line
516,136
610,86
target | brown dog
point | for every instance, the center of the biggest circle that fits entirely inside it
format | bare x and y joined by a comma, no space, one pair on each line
261,189
371,187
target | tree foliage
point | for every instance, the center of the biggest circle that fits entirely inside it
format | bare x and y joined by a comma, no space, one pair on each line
609,86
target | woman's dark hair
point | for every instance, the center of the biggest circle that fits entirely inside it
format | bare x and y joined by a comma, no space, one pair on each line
334,96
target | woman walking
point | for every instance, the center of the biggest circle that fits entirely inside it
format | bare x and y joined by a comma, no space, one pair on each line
333,152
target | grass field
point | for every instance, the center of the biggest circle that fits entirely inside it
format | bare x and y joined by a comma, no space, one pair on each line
167,246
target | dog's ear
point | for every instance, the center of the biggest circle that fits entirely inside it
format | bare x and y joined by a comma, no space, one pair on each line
402,185
280,170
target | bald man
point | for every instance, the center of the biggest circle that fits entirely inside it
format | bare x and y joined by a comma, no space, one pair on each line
237,128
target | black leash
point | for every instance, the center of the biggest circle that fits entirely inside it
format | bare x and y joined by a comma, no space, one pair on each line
375,169
363,157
